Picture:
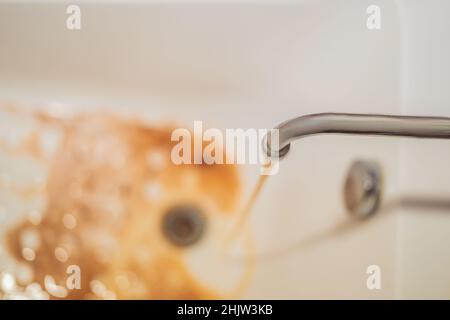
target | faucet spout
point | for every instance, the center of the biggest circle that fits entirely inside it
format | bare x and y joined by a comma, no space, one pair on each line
350,123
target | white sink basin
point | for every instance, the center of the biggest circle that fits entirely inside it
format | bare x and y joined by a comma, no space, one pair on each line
252,66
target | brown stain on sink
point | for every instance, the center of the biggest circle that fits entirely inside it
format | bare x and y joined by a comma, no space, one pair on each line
110,182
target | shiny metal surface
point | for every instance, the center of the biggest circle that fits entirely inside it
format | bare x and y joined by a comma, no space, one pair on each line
364,124
363,188
183,225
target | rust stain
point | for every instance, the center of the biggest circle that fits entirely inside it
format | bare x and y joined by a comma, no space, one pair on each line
113,179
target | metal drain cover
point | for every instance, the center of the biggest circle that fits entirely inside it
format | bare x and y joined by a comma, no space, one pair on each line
183,225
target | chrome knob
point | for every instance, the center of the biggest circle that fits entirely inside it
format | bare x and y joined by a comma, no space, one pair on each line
362,188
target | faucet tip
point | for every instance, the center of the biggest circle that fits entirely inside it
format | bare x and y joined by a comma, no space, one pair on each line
280,153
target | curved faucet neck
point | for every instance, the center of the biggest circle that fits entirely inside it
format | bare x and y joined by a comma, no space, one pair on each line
350,123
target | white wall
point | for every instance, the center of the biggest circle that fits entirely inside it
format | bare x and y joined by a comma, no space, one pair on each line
424,234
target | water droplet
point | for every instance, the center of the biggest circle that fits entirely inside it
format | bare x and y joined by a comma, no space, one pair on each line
69,221
34,291
53,288
7,282
100,290
61,254
28,254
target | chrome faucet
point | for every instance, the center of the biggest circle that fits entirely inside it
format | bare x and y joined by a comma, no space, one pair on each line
349,123
363,186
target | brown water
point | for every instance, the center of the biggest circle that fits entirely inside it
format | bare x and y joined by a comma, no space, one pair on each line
107,189
244,214
240,230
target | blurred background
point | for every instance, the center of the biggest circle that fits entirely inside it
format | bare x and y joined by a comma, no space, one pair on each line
242,64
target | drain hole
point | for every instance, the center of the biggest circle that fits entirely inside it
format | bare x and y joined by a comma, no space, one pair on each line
183,225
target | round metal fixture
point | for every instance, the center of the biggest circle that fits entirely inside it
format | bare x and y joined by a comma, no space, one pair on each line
362,189
183,225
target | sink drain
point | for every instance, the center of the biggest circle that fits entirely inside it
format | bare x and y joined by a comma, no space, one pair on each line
183,225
